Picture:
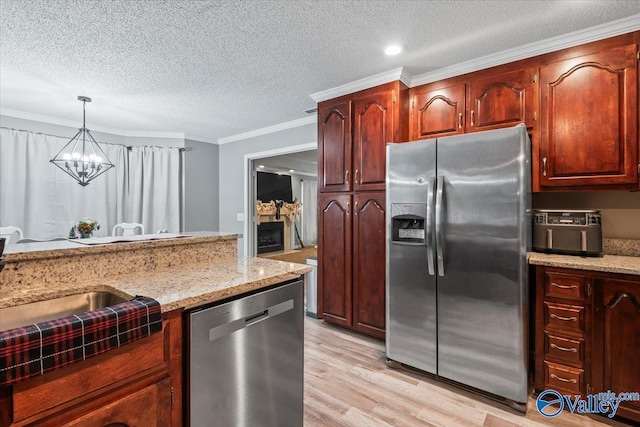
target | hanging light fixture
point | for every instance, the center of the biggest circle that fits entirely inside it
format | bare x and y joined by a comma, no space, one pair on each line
82,158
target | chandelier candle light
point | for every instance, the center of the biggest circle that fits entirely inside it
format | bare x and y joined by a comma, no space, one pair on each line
82,158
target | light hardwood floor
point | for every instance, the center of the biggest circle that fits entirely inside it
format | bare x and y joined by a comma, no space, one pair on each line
347,383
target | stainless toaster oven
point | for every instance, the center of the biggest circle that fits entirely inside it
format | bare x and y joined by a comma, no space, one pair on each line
571,232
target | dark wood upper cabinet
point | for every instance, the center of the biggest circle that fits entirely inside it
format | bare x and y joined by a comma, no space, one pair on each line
334,258
372,129
369,263
436,112
501,100
353,131
589,119
334,146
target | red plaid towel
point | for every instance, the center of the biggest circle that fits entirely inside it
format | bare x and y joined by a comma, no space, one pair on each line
35,349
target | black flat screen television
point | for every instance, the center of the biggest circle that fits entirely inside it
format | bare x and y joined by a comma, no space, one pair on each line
272,186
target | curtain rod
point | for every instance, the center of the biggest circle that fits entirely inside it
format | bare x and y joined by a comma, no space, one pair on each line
130,147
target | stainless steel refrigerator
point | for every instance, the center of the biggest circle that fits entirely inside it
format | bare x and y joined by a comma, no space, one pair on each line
458,230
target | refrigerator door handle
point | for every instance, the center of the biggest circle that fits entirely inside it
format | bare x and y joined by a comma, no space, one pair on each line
439,213
429,226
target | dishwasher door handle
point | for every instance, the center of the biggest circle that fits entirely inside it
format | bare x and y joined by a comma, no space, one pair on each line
236,325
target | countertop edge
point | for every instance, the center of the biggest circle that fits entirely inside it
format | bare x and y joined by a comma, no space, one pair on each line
80,249
607,263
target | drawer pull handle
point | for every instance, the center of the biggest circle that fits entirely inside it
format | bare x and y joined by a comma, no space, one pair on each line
555,285
566,319
554,376
557,347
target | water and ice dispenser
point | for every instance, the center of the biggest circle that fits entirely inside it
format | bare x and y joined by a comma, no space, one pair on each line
408,223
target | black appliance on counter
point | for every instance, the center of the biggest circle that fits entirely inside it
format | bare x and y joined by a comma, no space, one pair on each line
569,232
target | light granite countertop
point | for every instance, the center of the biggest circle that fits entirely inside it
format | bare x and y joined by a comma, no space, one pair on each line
199,284
179,288
180,273
65,248
606,263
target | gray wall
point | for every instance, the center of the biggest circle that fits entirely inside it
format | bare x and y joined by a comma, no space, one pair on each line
232,170
620,209
201,186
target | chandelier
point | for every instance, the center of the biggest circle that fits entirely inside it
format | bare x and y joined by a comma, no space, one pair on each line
82,158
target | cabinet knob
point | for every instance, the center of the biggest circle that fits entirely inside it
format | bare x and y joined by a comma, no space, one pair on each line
460,121
473,117
355,178
544,166
346,176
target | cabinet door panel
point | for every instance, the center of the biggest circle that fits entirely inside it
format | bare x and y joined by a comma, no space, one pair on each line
334,258
150,406
369,263
621,340
372,129
501,100
334,146
437,112
589,114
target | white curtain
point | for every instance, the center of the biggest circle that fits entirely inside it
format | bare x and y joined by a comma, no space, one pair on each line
154,188
45,202
309,212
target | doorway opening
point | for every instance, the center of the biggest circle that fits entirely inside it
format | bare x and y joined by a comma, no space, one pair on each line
297,212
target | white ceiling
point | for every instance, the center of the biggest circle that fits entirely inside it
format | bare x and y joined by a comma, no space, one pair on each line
219,68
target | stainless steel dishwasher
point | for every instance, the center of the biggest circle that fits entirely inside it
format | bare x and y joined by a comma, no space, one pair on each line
246,360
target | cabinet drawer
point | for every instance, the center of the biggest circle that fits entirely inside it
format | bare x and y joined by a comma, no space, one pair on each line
564,316
564,348
568,286
563,378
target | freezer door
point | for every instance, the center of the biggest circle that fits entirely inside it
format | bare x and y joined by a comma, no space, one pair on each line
482,239
411,282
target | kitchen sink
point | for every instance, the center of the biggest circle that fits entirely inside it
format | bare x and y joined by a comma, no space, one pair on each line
26,314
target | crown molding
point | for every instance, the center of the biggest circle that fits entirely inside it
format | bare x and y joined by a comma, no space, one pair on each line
200,138
365,83
576,38
269,129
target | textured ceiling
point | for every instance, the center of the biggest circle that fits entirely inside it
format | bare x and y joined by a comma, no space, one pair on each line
219,68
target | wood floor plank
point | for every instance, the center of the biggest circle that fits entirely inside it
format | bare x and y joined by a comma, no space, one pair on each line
347,383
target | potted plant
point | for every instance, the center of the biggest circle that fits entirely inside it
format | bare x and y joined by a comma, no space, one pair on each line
86,226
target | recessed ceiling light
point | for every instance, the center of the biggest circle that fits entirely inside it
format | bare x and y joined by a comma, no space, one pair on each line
291,170
261,166
394,49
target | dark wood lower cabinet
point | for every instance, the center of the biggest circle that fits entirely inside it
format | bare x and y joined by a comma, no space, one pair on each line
587,332
351,261
369,264
334,258
139,384
617,334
